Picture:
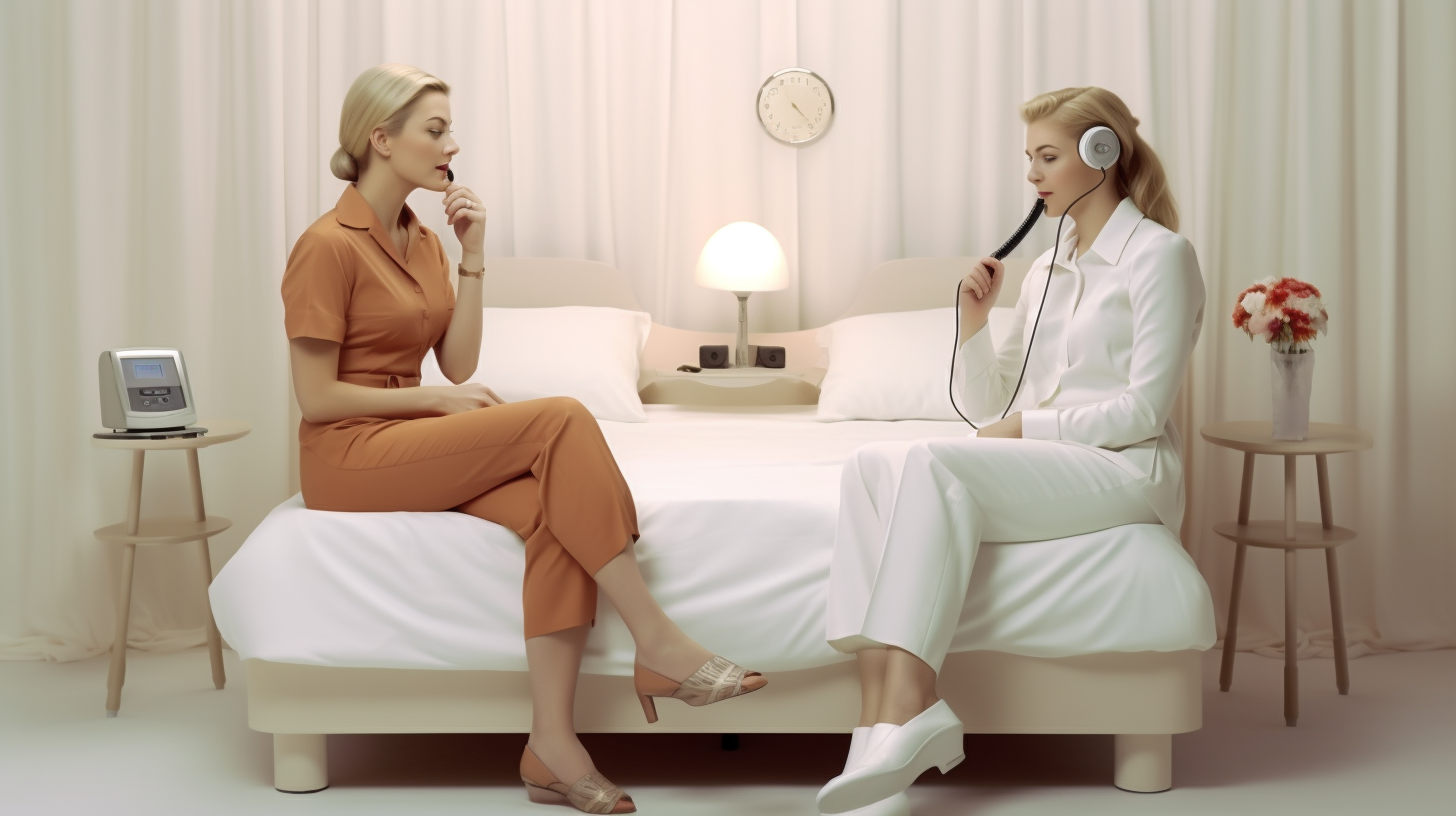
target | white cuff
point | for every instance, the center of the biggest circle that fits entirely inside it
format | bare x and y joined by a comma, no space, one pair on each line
1040,423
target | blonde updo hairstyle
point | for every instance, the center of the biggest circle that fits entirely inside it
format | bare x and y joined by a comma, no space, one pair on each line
382,96
1139,173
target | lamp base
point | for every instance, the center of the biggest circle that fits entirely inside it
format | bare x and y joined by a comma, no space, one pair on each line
741,356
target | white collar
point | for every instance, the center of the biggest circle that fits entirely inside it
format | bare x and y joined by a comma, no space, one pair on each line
1111,241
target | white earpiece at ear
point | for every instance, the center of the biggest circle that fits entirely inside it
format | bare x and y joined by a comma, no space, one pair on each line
1099,147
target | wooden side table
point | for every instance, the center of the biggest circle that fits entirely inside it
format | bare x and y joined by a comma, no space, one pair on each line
198,527
1290,535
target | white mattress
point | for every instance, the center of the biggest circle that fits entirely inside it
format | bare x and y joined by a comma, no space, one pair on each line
736,509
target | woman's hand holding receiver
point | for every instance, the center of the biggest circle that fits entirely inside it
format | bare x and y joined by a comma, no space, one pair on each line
458,352
978,294
466,213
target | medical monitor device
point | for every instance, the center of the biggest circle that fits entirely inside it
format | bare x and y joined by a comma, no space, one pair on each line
145,389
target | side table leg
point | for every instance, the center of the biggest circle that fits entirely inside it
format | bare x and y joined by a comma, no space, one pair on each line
214,640
1322,471
199,513
1231,632
116,676
1291,644
1332,567
1246,489
1337,619
1289,494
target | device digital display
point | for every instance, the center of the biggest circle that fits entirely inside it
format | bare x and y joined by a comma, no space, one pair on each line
146,371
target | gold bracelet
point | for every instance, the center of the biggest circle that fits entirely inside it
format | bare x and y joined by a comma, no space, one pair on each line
478,274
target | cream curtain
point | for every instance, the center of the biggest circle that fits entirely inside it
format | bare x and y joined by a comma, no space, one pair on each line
158,159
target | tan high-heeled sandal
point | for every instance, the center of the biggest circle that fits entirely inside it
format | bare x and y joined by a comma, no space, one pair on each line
592,793
714,681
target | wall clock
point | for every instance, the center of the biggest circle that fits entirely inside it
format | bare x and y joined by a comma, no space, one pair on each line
795,105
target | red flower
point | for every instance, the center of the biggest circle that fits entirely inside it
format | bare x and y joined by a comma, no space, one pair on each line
1301,327
1298,288
1241,315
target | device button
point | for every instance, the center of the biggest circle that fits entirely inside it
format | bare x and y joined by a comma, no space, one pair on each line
146,402
164,400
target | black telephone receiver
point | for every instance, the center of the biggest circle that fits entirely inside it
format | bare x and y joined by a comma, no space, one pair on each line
1016,237
1098,148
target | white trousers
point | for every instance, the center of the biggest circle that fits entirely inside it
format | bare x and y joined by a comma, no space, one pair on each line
912,516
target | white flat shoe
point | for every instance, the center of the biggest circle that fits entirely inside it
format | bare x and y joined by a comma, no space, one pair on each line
897,805
932,739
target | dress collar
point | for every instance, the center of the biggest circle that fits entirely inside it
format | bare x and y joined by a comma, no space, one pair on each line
353,211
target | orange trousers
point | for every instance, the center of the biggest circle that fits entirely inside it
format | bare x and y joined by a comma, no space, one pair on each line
541,468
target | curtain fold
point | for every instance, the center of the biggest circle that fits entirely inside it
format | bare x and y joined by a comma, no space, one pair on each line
159,157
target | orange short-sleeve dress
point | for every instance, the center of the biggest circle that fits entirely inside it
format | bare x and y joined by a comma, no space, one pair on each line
541,467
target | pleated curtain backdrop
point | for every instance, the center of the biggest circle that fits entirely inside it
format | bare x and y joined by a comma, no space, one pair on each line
158,159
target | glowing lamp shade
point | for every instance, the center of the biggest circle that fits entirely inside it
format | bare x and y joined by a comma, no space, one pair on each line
743,257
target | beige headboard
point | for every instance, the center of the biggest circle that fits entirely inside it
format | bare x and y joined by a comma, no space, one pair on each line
903,285
912,284
533,283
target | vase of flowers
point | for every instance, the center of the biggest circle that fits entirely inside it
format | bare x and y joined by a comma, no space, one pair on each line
1287,314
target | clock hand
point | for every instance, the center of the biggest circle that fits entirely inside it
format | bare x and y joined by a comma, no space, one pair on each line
801,113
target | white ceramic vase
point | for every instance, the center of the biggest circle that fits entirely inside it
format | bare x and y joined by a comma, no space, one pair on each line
1293,376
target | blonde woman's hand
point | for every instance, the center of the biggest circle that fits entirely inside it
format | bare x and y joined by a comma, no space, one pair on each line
457,399
978,293
466,213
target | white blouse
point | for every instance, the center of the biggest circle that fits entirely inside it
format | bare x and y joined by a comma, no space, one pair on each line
1109,355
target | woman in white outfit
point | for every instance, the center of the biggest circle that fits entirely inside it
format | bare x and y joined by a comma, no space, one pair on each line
1086,443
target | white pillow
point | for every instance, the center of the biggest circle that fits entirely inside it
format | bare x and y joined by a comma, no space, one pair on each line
893,365
592,353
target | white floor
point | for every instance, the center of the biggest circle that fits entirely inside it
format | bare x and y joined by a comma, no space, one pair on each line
179,747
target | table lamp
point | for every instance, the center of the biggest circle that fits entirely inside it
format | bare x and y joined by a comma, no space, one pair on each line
742,258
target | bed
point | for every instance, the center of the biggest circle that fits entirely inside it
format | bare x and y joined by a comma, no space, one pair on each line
410,622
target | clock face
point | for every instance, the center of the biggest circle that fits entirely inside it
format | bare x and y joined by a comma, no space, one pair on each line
795,106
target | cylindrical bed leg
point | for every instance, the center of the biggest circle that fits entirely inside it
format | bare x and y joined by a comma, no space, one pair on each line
300,762
1143,763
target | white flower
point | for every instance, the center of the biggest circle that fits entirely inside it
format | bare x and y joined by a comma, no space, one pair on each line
1309,305
1259,324
1253,302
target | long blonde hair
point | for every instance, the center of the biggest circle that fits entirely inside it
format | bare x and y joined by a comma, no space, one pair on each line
1139,173
382,96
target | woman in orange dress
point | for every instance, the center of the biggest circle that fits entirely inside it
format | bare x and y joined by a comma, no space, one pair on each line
367,294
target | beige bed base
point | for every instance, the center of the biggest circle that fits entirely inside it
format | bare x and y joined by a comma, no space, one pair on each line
1142,698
